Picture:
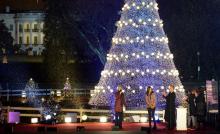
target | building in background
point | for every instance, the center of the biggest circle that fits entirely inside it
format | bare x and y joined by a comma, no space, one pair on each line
25,21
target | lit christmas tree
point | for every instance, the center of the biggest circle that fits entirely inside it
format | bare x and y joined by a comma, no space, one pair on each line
30,92
67,87
139,57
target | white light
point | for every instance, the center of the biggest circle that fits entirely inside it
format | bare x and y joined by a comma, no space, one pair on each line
162,87
103,119
157,91
129,87
142,73
34,120
140,87
111,91
133,91
140,20
58,93
143,119
133,54
68,119
167,90
123,73
48,117
84,117
23,94
156,117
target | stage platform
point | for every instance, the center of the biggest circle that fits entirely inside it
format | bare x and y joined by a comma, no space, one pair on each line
99,128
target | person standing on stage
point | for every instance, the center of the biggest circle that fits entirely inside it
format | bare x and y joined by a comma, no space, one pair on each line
119,103
170,117
150,98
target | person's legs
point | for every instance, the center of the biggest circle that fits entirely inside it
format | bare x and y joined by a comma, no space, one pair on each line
189,121
149,116
194,122
120,120
116,118
153,113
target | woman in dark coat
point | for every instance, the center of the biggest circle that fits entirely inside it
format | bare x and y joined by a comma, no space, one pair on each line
200,107
170,116
119,103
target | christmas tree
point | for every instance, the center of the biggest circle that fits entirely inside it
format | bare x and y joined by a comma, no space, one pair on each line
139,57
31,93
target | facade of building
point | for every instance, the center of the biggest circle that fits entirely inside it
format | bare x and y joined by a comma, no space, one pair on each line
26,27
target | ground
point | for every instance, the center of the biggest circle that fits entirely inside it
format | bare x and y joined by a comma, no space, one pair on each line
102,128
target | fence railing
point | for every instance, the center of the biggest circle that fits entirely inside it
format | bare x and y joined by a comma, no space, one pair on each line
92,113
43,92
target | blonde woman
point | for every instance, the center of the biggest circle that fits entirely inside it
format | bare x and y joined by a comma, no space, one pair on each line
150,98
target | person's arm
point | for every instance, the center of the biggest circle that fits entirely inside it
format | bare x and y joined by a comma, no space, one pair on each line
147,100
123,100
153,100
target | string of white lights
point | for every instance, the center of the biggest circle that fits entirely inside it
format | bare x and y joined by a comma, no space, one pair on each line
141,40
123,56
132,72
143,5
128,88
141,22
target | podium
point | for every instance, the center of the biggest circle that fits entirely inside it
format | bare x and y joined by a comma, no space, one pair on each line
181,118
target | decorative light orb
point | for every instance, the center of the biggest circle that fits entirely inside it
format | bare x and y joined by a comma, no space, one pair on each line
157,91
48,117
143,119
111,91
34,120
140,87
84,117
129,87
68,119
103,119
